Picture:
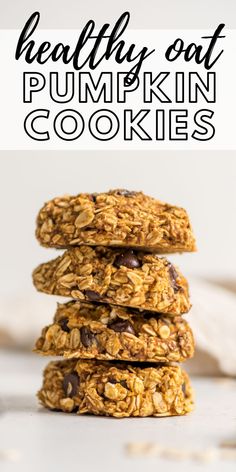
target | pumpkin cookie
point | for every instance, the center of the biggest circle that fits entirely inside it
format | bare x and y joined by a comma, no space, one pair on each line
119,218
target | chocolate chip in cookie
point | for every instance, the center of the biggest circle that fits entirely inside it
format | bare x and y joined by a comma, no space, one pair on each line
121,382
92,197
63,324
122,326
86,336
126,193
127,259
70,384
173,277
92,295
124,383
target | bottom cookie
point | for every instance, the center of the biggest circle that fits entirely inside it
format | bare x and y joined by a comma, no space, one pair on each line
116,389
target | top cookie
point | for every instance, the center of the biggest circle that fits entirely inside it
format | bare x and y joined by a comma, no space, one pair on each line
117,218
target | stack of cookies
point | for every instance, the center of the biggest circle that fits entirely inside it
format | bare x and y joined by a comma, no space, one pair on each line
123,332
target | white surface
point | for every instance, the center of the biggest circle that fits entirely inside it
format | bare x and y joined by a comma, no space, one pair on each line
35,439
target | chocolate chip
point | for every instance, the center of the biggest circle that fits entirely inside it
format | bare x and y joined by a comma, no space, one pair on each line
122,326
126,193
93,296
111,380
70,384
123,383
184,388
173,277
127,259
92,197
87,337
114,381
63,324
149,314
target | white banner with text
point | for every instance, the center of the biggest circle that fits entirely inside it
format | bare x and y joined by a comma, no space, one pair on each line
142,89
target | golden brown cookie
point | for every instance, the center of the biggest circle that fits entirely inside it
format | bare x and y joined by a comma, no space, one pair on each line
106,332
126,278
118,218
116,389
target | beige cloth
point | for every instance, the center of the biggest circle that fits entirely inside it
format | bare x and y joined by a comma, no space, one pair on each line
22,319
213,320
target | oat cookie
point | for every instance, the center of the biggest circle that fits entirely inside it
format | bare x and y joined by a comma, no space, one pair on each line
113,389
125,278
117,218
106,332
